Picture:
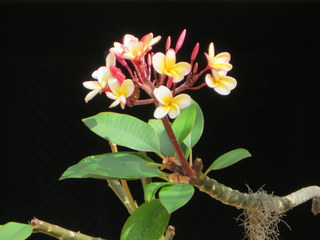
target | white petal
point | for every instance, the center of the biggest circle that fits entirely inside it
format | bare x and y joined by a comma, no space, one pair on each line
114,86
92,85
90,95
181,100
122,101
174,111
111,96
127,87
110,60
95,74
159,62
211,50
161,111
115,103
163,95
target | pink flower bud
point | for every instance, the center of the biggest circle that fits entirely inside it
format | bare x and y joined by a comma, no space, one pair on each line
195,52
117,73
180,40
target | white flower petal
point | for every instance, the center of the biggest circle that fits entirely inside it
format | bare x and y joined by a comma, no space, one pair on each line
161,111
92,85
114,86
159,62
127,87
111,96
163,95
115,103
90,95
110,60
174,111
181,101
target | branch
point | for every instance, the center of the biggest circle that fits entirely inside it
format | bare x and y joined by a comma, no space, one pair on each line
241,200
59,232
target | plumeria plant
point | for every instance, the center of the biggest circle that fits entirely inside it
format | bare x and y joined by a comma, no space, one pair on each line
159,152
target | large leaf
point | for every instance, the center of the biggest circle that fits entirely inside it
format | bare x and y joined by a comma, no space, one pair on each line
175,195
197,128
148,222
120,165
229,158
172,195
124,130
183,124
15,231
165,144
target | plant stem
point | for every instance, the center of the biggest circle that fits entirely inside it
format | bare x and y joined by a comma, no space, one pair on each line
181,157
122,190
59,232
241,200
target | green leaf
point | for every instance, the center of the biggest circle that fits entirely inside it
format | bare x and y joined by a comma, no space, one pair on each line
229,158
197,129
120,165
152,188
15,231
172,195
175,195
165,145
148,222
124,130
183,124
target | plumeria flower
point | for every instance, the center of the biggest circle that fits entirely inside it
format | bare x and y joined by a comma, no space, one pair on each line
132,48
168,104
221,83
102,75
218,62
120,92
166,64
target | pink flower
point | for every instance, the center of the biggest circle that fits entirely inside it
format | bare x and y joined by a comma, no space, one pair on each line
132,48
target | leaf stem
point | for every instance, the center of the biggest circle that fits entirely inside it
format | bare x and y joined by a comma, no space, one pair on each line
180,155
122,190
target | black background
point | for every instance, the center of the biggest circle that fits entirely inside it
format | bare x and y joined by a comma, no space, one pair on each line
48,50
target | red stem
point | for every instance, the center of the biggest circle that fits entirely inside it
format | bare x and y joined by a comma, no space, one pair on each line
182,159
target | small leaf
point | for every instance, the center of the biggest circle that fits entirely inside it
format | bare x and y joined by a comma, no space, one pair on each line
120,165
175,195
148,222
15,231
183,124
152,188
197,129
229,158
124,130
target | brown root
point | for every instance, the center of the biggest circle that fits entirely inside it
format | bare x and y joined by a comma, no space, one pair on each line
261,223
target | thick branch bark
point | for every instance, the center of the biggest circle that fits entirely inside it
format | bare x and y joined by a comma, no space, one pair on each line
59,232
241,200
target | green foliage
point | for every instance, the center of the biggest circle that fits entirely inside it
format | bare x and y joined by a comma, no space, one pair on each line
124,130
120,165
172,195
229,158
15,231
148,222
193,137
165,145
183,124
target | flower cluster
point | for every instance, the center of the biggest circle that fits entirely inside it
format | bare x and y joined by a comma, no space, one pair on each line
158,74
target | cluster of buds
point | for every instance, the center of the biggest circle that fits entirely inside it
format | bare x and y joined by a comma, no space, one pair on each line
157,74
